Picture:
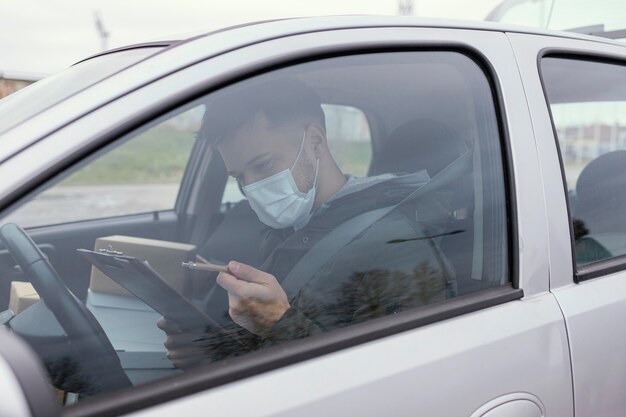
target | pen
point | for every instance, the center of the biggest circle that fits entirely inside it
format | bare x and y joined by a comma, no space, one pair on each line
205,266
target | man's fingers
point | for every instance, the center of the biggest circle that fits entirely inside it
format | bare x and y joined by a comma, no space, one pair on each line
176,341
249,273
168,326
233,285
188,352
185,358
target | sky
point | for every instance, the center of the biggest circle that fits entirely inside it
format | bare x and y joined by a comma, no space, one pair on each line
44,36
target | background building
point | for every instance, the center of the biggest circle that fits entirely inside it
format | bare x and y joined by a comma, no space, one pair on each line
10,82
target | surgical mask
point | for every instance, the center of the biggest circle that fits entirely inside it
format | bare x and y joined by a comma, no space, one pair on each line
278,201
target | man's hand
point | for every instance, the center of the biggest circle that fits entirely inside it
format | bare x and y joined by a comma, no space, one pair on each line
256,299
184,348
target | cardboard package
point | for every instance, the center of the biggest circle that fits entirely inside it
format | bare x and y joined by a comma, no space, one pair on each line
22,296
165,257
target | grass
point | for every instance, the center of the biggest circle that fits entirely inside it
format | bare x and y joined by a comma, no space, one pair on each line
156,156
160,156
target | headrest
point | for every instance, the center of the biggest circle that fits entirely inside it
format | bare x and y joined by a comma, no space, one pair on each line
416,145
601,193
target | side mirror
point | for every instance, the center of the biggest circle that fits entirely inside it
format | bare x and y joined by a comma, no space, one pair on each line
25,391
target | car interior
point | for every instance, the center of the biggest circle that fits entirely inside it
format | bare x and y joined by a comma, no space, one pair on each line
600,180
422,113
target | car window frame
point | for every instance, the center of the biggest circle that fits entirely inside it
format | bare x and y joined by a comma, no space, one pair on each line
602,267
160,391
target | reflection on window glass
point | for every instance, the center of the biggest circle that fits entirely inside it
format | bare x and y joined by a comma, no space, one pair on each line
588,104
346,219
588,130
349,138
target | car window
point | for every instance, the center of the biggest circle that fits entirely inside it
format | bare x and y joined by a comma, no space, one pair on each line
348,219
588,104
140,175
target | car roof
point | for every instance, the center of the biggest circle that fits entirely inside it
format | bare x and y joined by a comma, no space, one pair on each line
286,26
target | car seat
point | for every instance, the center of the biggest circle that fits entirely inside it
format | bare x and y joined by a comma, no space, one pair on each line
600,228
416,145
431,145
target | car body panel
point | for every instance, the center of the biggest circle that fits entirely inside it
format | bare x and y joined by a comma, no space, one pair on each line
449,368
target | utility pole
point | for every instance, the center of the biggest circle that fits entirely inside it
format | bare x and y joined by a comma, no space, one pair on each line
102,32
405,7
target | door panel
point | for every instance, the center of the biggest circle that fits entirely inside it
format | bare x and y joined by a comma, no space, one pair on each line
597,337
450,368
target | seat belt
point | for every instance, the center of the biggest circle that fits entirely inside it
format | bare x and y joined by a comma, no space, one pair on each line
343,234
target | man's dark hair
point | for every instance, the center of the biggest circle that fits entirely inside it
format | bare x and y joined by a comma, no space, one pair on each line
281,101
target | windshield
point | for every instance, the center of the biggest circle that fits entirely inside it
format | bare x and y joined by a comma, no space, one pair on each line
43,94
562,15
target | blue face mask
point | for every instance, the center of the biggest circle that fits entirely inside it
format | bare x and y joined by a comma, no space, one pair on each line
277,200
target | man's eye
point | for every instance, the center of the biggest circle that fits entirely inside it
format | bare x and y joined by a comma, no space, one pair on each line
263,166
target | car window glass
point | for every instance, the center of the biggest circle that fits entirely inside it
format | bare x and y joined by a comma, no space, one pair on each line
141,175
588,105
386,199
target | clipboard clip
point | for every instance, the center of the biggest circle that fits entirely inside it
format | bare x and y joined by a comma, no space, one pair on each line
110,251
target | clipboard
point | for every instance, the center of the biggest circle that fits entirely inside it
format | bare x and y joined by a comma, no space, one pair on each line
140,279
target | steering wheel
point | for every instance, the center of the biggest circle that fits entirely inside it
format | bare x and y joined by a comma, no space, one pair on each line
99,364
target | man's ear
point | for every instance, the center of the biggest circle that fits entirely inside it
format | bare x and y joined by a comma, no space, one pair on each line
317,135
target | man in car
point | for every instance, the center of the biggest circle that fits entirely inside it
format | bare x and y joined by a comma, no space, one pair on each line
340,250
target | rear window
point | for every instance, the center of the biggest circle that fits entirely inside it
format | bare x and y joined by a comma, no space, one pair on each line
588,105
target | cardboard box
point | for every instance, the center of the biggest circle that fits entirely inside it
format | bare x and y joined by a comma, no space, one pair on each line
165,257
22,296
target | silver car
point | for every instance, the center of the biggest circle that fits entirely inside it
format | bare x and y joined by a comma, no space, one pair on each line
322,216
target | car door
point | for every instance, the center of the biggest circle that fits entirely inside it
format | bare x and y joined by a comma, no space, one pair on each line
494,342
576,95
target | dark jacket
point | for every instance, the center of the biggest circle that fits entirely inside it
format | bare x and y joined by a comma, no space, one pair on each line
393,265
